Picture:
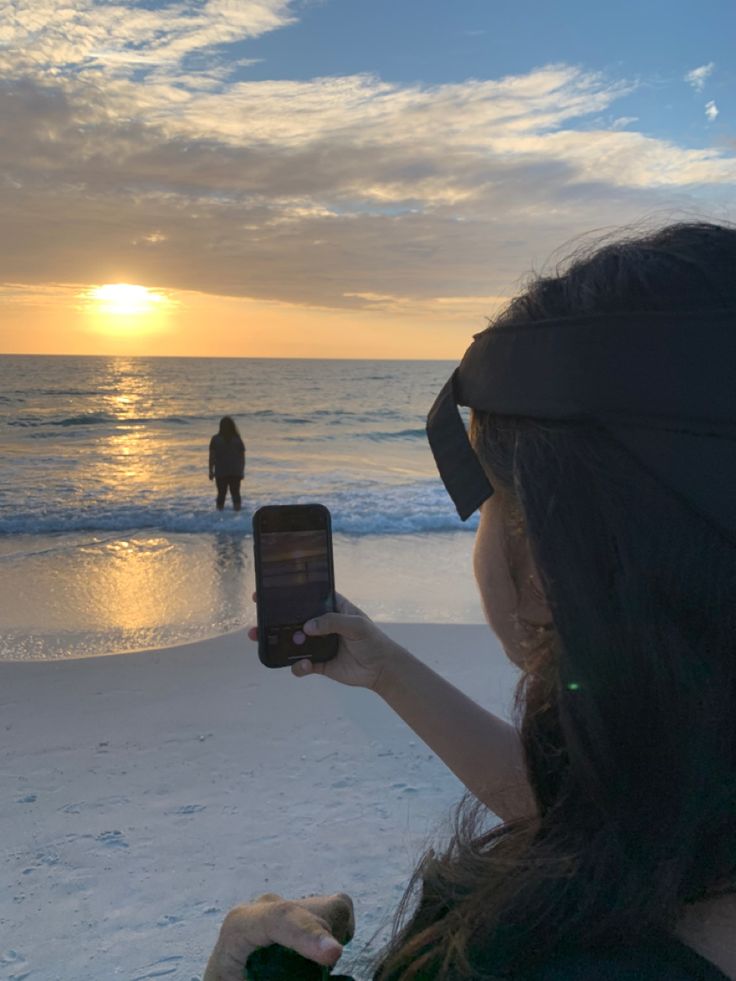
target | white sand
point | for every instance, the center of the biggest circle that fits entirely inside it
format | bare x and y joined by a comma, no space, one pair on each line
141,795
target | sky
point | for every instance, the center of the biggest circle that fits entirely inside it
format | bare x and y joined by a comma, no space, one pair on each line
337,178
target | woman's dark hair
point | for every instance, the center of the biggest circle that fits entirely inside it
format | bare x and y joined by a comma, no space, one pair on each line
228,429
626,706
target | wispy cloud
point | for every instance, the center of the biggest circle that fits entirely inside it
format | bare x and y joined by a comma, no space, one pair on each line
623,121
130,151
697,77
122,38
711,110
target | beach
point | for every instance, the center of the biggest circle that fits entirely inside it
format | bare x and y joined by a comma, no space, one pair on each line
278,245
153,773
109,537
145,794
85,594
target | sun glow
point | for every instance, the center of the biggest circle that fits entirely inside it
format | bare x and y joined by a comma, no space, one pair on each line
122,299
127,312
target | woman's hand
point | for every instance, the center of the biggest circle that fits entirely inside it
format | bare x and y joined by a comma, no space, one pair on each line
315,927
363,651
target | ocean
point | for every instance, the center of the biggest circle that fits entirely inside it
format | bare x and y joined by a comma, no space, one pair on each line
109,538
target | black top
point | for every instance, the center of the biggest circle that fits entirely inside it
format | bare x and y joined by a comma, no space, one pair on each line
665,959
227,457
662,958
656,959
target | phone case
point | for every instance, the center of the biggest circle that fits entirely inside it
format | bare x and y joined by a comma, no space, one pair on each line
322,648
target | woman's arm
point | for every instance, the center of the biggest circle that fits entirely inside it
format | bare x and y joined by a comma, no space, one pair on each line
483,751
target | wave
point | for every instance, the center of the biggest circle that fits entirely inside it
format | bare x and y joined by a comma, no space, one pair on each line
84,419
349,517
399,434
375,436
104,418
333,417
67,392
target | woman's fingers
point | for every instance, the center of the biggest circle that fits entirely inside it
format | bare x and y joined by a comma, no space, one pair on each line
349,622
305,926
346,625
306,933
283,922
305,667
337,910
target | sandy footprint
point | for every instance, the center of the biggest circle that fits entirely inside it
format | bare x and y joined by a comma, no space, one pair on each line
16,964
188,809
159,969
76,807
112,839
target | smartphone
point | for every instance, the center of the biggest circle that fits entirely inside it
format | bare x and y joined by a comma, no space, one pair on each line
295,581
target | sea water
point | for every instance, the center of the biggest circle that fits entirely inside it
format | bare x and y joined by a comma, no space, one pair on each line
109,537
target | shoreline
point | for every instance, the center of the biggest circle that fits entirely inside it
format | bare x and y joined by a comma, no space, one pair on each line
142,795
156,590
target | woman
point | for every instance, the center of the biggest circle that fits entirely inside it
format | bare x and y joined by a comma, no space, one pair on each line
227,462
615,593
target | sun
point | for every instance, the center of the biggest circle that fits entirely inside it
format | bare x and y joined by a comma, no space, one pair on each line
125,300
128,312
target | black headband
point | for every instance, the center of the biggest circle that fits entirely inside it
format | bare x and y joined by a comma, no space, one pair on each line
662,384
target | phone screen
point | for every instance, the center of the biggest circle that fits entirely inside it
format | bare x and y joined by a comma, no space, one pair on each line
295,575
294,581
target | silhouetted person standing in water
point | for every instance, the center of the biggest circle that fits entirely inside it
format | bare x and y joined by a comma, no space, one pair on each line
227,462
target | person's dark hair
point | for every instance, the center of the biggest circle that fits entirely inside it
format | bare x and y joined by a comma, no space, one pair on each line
626,704
228,429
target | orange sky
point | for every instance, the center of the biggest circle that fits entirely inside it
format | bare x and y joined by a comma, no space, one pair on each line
343,213
79,320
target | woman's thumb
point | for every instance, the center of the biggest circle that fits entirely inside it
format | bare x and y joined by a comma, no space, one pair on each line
349,627
328,949
328,623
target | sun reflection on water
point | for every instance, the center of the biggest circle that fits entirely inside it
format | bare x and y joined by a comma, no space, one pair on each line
140,590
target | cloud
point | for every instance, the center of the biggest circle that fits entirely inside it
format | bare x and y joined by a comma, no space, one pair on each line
123,38
711,110
697,76
132,151
623,121
38,295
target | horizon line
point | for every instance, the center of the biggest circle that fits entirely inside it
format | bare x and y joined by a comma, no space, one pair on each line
204,357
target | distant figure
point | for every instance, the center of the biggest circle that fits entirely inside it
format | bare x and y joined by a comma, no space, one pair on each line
227,462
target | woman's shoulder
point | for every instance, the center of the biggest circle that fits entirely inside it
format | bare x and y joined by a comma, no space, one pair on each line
645,961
